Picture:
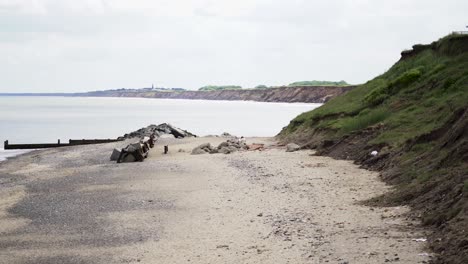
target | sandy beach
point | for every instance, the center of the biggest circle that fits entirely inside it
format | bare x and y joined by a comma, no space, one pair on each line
73,205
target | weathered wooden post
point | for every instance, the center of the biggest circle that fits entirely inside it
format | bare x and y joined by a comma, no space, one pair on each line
58,142
5,144
166,149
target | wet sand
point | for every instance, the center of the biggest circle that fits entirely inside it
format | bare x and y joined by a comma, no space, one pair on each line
73,205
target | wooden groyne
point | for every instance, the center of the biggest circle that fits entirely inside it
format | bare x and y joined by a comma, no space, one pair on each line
71,142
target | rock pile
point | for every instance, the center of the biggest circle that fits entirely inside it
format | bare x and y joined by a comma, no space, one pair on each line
158,131
227,147
134,152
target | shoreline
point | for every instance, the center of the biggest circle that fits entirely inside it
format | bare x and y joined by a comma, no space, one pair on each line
9,154
268,206
153,98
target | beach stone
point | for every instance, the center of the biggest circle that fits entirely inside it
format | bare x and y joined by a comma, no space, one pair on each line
224,150
223,144
115,155
178,133
167,136
205,145
232,149
291,147
236,145
214,151
198,151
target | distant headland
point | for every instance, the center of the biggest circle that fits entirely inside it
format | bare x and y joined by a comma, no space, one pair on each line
297,92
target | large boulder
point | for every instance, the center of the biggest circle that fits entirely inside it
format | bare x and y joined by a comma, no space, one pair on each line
115,155
129,158
202,149
224,150
223,144
214,151
176,132
158,131
134,147
233,149
205,146
291,147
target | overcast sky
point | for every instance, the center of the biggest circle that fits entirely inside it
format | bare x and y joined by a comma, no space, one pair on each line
82,45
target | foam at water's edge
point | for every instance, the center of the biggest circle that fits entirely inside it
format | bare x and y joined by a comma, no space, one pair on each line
5,154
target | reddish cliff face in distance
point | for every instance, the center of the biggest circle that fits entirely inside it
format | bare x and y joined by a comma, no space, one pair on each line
297,94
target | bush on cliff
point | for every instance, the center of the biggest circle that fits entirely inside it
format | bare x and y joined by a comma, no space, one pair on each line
319,83
217,88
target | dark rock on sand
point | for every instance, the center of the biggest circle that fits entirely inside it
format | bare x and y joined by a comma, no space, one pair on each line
159,130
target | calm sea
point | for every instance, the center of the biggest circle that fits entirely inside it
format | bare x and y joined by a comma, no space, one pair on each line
46,119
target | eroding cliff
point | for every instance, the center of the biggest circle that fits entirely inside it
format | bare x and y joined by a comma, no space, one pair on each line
300,94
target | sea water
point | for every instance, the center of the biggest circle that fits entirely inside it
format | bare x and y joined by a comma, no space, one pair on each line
37,119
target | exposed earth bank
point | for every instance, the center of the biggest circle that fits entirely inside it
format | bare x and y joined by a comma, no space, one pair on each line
298,94
73,205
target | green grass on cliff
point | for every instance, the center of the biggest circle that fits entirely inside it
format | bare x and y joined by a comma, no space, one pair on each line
319,83
414,97
219,87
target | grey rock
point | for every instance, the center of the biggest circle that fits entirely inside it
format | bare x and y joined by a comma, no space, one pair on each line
159,130
224,150
205,145
232,149
236,145
198,151
214,151
167,136
223,144
115,155
291,147
129,158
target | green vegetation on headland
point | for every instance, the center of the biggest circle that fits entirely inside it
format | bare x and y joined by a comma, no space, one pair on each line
217,88
319,83
262,86
416,117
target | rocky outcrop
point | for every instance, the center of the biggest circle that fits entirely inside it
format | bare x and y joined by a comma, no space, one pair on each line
227,147
297,94
158,131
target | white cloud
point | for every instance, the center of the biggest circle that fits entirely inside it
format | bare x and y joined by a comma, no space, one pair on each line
69,45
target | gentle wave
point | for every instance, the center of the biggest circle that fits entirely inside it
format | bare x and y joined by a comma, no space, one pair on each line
5,154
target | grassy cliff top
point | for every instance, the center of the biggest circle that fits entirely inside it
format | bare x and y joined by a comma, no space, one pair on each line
415,96
319,83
